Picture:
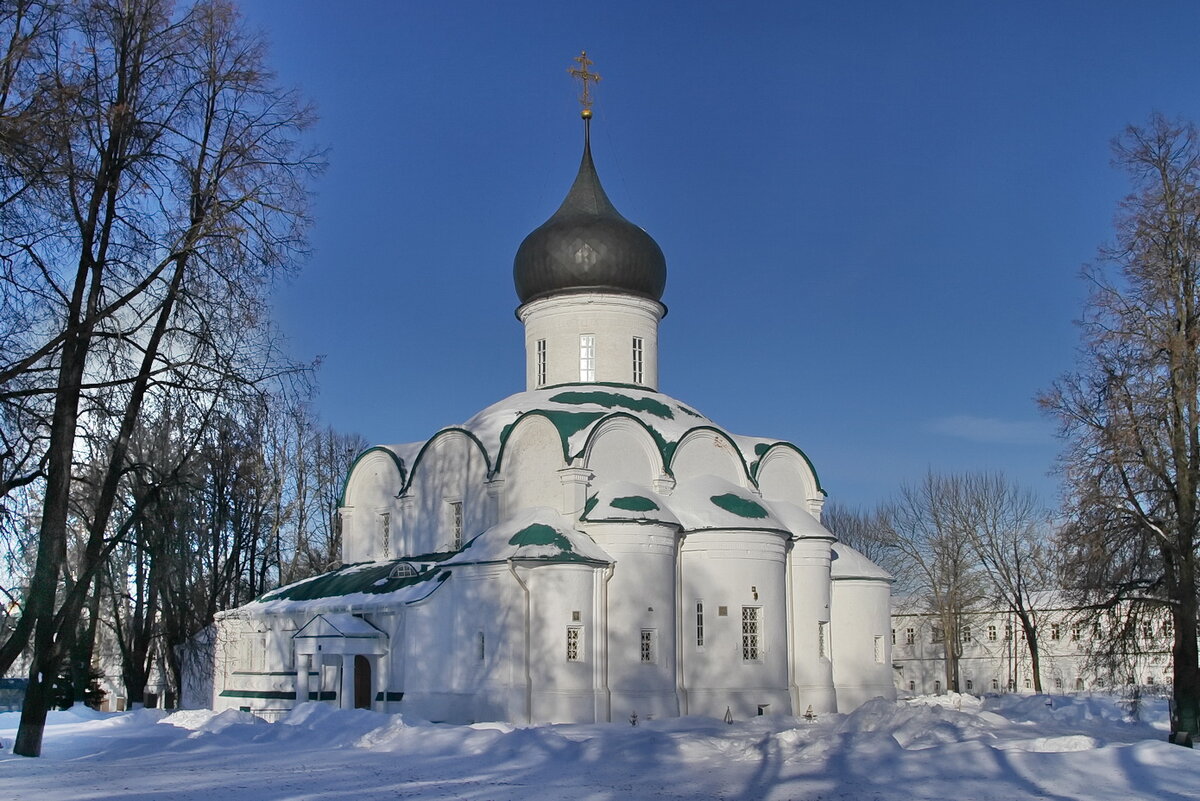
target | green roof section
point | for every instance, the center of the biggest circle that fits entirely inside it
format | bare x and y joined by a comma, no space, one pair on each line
371,578
634,503
611,400
541,534
742,507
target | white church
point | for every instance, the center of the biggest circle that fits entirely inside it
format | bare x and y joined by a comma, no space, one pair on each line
586,550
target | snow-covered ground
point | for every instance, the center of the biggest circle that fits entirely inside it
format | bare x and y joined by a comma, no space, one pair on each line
950,747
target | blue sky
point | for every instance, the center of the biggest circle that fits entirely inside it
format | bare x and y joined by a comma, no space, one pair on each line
874,214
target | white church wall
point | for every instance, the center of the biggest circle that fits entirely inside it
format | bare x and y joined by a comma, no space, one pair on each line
810,621
704,452
613,321
861,641
445,675
742,663
561,675
641,603
451,470
530,461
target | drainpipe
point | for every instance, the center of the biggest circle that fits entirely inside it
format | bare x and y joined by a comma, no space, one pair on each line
528,675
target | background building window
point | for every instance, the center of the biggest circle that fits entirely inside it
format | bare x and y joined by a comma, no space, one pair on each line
991,633
966,634
541,362
939,634
637,360
910,636
648,646
587,358
1055,631
751,634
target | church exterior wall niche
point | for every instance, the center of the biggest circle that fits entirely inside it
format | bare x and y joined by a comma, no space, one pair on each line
530,462
784,474
450,471
708,452
621,448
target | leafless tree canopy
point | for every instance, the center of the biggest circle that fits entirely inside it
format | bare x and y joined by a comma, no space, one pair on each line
1129,413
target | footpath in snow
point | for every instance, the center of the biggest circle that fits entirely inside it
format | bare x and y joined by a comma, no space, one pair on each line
1006,748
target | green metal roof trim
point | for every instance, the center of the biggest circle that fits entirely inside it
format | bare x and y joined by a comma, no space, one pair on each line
395,459
610,400
634,503
742,507
724,435
566,423
762,449
371,578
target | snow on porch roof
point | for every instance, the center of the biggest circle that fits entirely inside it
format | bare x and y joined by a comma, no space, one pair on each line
338,624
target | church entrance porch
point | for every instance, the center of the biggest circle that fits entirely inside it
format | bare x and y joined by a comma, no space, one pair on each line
341,643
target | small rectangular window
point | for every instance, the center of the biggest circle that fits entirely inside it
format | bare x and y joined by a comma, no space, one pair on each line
587,358
893,636
637,360
1008,631
970,685
573,643
385,524
910,636
456,524
995,684
751,634
541,362
1076,632
938,635
966,634
699,624
1055,631
647,644
878,650
482,651
991,634
823,639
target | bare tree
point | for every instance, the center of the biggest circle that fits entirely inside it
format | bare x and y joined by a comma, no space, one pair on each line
1130,413
863,530
1007,530
181,191
933,559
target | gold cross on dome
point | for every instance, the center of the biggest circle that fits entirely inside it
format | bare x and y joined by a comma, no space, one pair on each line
582,73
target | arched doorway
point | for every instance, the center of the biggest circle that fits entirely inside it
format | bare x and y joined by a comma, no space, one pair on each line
362,682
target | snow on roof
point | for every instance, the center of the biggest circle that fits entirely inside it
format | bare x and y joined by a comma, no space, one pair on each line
625,501
850,564
538,533
360,585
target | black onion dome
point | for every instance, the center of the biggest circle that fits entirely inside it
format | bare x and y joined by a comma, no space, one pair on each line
587,244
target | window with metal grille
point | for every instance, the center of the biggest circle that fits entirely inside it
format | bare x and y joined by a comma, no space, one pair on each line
456,523
647,645
573,638
385,523
587,357
541,362
823,639
637,360
751,633
699,624
878,650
